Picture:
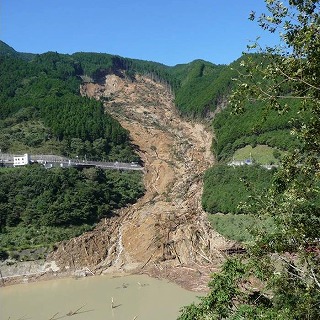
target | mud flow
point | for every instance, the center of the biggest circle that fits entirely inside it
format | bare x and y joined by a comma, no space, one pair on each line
166,233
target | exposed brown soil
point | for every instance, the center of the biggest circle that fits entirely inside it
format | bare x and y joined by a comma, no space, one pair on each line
166,233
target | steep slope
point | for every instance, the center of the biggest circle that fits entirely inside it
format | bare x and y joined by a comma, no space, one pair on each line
166,232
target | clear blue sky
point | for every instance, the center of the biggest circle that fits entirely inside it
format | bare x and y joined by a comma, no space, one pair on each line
165,31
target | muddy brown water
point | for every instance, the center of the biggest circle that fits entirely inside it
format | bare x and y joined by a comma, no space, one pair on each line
132,297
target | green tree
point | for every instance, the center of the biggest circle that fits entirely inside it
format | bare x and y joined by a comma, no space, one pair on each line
280,278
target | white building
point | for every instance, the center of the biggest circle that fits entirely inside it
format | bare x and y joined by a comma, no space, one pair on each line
21,160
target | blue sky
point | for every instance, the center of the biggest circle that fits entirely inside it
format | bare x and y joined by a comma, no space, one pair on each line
165,31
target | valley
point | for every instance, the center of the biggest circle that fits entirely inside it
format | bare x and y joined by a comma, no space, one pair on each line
173,219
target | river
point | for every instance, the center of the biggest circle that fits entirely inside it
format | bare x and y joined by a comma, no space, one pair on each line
132,297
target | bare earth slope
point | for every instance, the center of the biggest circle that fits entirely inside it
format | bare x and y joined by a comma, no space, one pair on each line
166,233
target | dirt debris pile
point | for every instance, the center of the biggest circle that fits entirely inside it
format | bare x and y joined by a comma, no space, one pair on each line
166,233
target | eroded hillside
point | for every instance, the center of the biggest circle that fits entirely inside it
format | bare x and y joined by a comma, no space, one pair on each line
166,232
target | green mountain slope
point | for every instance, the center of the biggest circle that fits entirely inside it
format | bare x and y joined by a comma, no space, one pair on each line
256,125
253,127
9,51
42,111
200,87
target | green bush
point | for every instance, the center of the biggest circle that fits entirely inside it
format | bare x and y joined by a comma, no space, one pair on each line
226,187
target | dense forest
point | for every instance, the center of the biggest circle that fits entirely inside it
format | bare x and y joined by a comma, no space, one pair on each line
42,112
226,187
59,202
253,127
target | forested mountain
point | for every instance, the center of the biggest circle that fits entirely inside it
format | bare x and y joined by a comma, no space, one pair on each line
33,89
202,88
41,110
199,87
254,127
9,51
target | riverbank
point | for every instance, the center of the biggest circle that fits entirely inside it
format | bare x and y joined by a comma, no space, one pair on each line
16,272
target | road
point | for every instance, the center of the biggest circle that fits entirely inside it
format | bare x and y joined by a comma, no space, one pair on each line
50,161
